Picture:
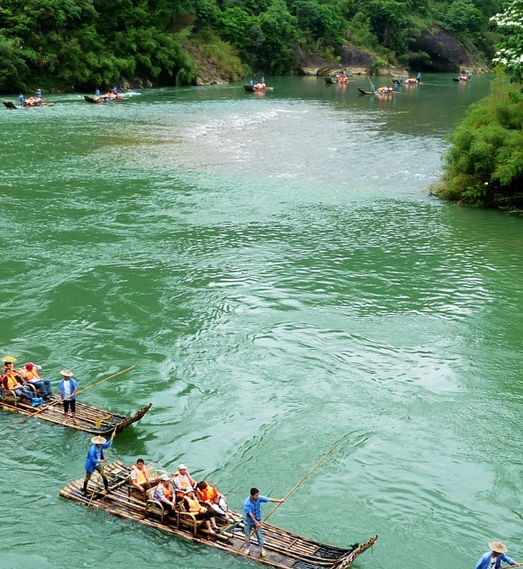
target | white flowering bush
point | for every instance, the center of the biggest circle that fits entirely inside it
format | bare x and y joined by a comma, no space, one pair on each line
510,51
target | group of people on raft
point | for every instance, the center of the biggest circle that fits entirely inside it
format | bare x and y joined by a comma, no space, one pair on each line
112,95
26,384
31,101
181,492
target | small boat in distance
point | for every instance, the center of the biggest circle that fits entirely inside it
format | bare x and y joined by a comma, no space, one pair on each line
380,91
338,79
257,87
285,550
11,105
98,99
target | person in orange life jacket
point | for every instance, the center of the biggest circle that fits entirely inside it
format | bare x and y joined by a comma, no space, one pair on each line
12,380
30,372
183,482
164,493
192,505
140,477
95,460
493,558
252,513
67,389
212,499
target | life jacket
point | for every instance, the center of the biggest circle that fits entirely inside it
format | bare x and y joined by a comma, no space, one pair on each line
209,494
184,480
11,380
167,492
141,475
194,505
30,375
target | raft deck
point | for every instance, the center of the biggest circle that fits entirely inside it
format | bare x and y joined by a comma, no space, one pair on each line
90,419
285,549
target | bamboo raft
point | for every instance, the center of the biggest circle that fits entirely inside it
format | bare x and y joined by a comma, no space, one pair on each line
103,99
285,549
11,105
90,419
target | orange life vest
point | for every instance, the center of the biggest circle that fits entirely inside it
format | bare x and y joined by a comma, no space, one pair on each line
184,481
141,475
29,375
209,494
168,492
194,505
11,379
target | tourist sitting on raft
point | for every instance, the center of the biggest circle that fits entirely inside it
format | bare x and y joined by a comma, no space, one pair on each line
33,102
164,493
30,372
383,89
139,477
213,500
191,504
183,482
260,86
12,382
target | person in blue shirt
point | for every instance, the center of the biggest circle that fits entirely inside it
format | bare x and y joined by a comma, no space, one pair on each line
418,77
67,390
95,461
22,99
252,513
493,558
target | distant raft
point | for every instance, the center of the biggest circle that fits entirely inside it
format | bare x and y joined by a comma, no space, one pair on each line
90,419
11,105
284,549
104,99
257,88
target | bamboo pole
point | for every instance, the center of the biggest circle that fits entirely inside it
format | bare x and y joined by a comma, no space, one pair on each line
105,379
291,491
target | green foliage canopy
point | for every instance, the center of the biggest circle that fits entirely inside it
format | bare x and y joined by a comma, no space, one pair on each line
510,51
484,166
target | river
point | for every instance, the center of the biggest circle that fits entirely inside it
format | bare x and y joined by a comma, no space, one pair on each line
280,276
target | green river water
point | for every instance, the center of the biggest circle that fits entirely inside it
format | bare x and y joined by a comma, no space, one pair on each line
275,268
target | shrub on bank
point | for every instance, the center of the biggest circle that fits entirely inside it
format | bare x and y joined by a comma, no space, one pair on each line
484,166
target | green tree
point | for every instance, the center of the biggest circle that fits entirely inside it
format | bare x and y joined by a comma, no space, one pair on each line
484,166
509,53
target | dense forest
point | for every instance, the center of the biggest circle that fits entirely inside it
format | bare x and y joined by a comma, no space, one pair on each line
83,44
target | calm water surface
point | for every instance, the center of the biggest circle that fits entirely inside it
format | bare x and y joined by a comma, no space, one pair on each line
275,268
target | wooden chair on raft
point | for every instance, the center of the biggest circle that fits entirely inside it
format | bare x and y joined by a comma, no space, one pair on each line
181,518
154,477
10,396
154,507
187,519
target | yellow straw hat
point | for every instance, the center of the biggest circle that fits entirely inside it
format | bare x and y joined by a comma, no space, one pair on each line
9,359
67,373
497,546
98,440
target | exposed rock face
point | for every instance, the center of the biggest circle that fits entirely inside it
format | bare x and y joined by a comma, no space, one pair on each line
351,58
206,72
446,53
